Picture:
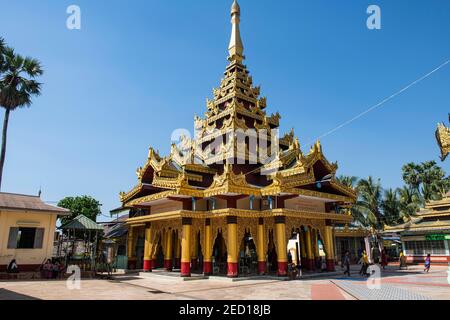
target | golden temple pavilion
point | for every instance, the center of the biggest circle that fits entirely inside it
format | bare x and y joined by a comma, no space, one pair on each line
231,199
426,233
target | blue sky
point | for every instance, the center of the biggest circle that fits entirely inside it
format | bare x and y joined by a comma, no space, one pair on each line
139,69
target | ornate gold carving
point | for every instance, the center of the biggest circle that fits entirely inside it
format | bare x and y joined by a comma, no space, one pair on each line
443,139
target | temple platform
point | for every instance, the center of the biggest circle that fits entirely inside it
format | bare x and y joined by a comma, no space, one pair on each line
175,276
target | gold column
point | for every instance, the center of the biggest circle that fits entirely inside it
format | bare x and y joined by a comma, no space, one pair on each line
207,259
309,250
261,246
232,247
147,248
186,248
280,229
194,252
177,246
168,264
329,244
131,248
303,247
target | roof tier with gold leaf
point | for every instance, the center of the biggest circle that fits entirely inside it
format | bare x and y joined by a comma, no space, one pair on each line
435,217
192,171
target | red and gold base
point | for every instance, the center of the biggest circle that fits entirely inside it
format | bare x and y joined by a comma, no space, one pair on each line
207,268
131,264
262,267
185,269
232,268
282,268
168,264
147,265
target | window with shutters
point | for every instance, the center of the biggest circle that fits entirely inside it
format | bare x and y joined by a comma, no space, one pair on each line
26,238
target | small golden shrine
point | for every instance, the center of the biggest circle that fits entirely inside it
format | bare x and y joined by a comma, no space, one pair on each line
228,200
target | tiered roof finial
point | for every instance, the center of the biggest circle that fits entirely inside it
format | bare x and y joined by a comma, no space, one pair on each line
236,48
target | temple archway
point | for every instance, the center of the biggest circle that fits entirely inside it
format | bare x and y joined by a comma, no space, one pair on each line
248,259
272,256
220,255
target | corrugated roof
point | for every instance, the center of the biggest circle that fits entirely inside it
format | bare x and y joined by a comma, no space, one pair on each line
22,202
82,222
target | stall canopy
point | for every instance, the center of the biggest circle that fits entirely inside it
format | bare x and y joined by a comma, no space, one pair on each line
82,222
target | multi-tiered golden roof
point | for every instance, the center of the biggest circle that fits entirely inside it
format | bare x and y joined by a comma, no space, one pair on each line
212,187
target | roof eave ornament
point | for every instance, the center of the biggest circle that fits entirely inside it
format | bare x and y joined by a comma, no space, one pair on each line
236,47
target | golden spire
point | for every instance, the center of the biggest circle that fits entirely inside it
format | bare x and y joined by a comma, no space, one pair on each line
236,48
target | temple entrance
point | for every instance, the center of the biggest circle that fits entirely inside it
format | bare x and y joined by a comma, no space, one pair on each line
159,263
248,259
272,256
219,255
197,257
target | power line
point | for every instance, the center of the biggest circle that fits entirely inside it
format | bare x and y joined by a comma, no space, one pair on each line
382,102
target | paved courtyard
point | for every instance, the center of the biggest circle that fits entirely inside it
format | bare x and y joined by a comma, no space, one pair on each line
394,285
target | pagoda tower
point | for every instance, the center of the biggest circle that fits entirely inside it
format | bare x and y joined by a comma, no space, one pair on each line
235,198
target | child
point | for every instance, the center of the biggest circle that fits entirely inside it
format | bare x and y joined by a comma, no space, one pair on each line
427,263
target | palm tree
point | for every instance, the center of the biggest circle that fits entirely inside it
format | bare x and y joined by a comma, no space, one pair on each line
409,201
348,181
367,208
391,206
17,87
2,50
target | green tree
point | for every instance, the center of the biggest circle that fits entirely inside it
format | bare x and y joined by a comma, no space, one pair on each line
348,181
367,209
17,88
409,201
391,207
84,205
426,179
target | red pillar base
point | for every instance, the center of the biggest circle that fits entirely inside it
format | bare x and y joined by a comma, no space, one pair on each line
131,264
153,264
309,264
262,267
147,265
185,269
282,269
207,268
168,265
330,265
232,270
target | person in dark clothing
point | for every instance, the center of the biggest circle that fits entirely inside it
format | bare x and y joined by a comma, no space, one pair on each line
13,267
346,263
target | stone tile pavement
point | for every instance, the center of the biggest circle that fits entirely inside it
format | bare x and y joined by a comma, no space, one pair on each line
396,285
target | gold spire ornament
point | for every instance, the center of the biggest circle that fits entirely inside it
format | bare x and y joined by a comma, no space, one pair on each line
236,48
443,139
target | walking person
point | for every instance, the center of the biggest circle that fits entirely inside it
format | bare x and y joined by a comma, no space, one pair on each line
427,263
384,259
365,264
346,263
12,269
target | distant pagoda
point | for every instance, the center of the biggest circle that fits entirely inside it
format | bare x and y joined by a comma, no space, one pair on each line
428,232
231,198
